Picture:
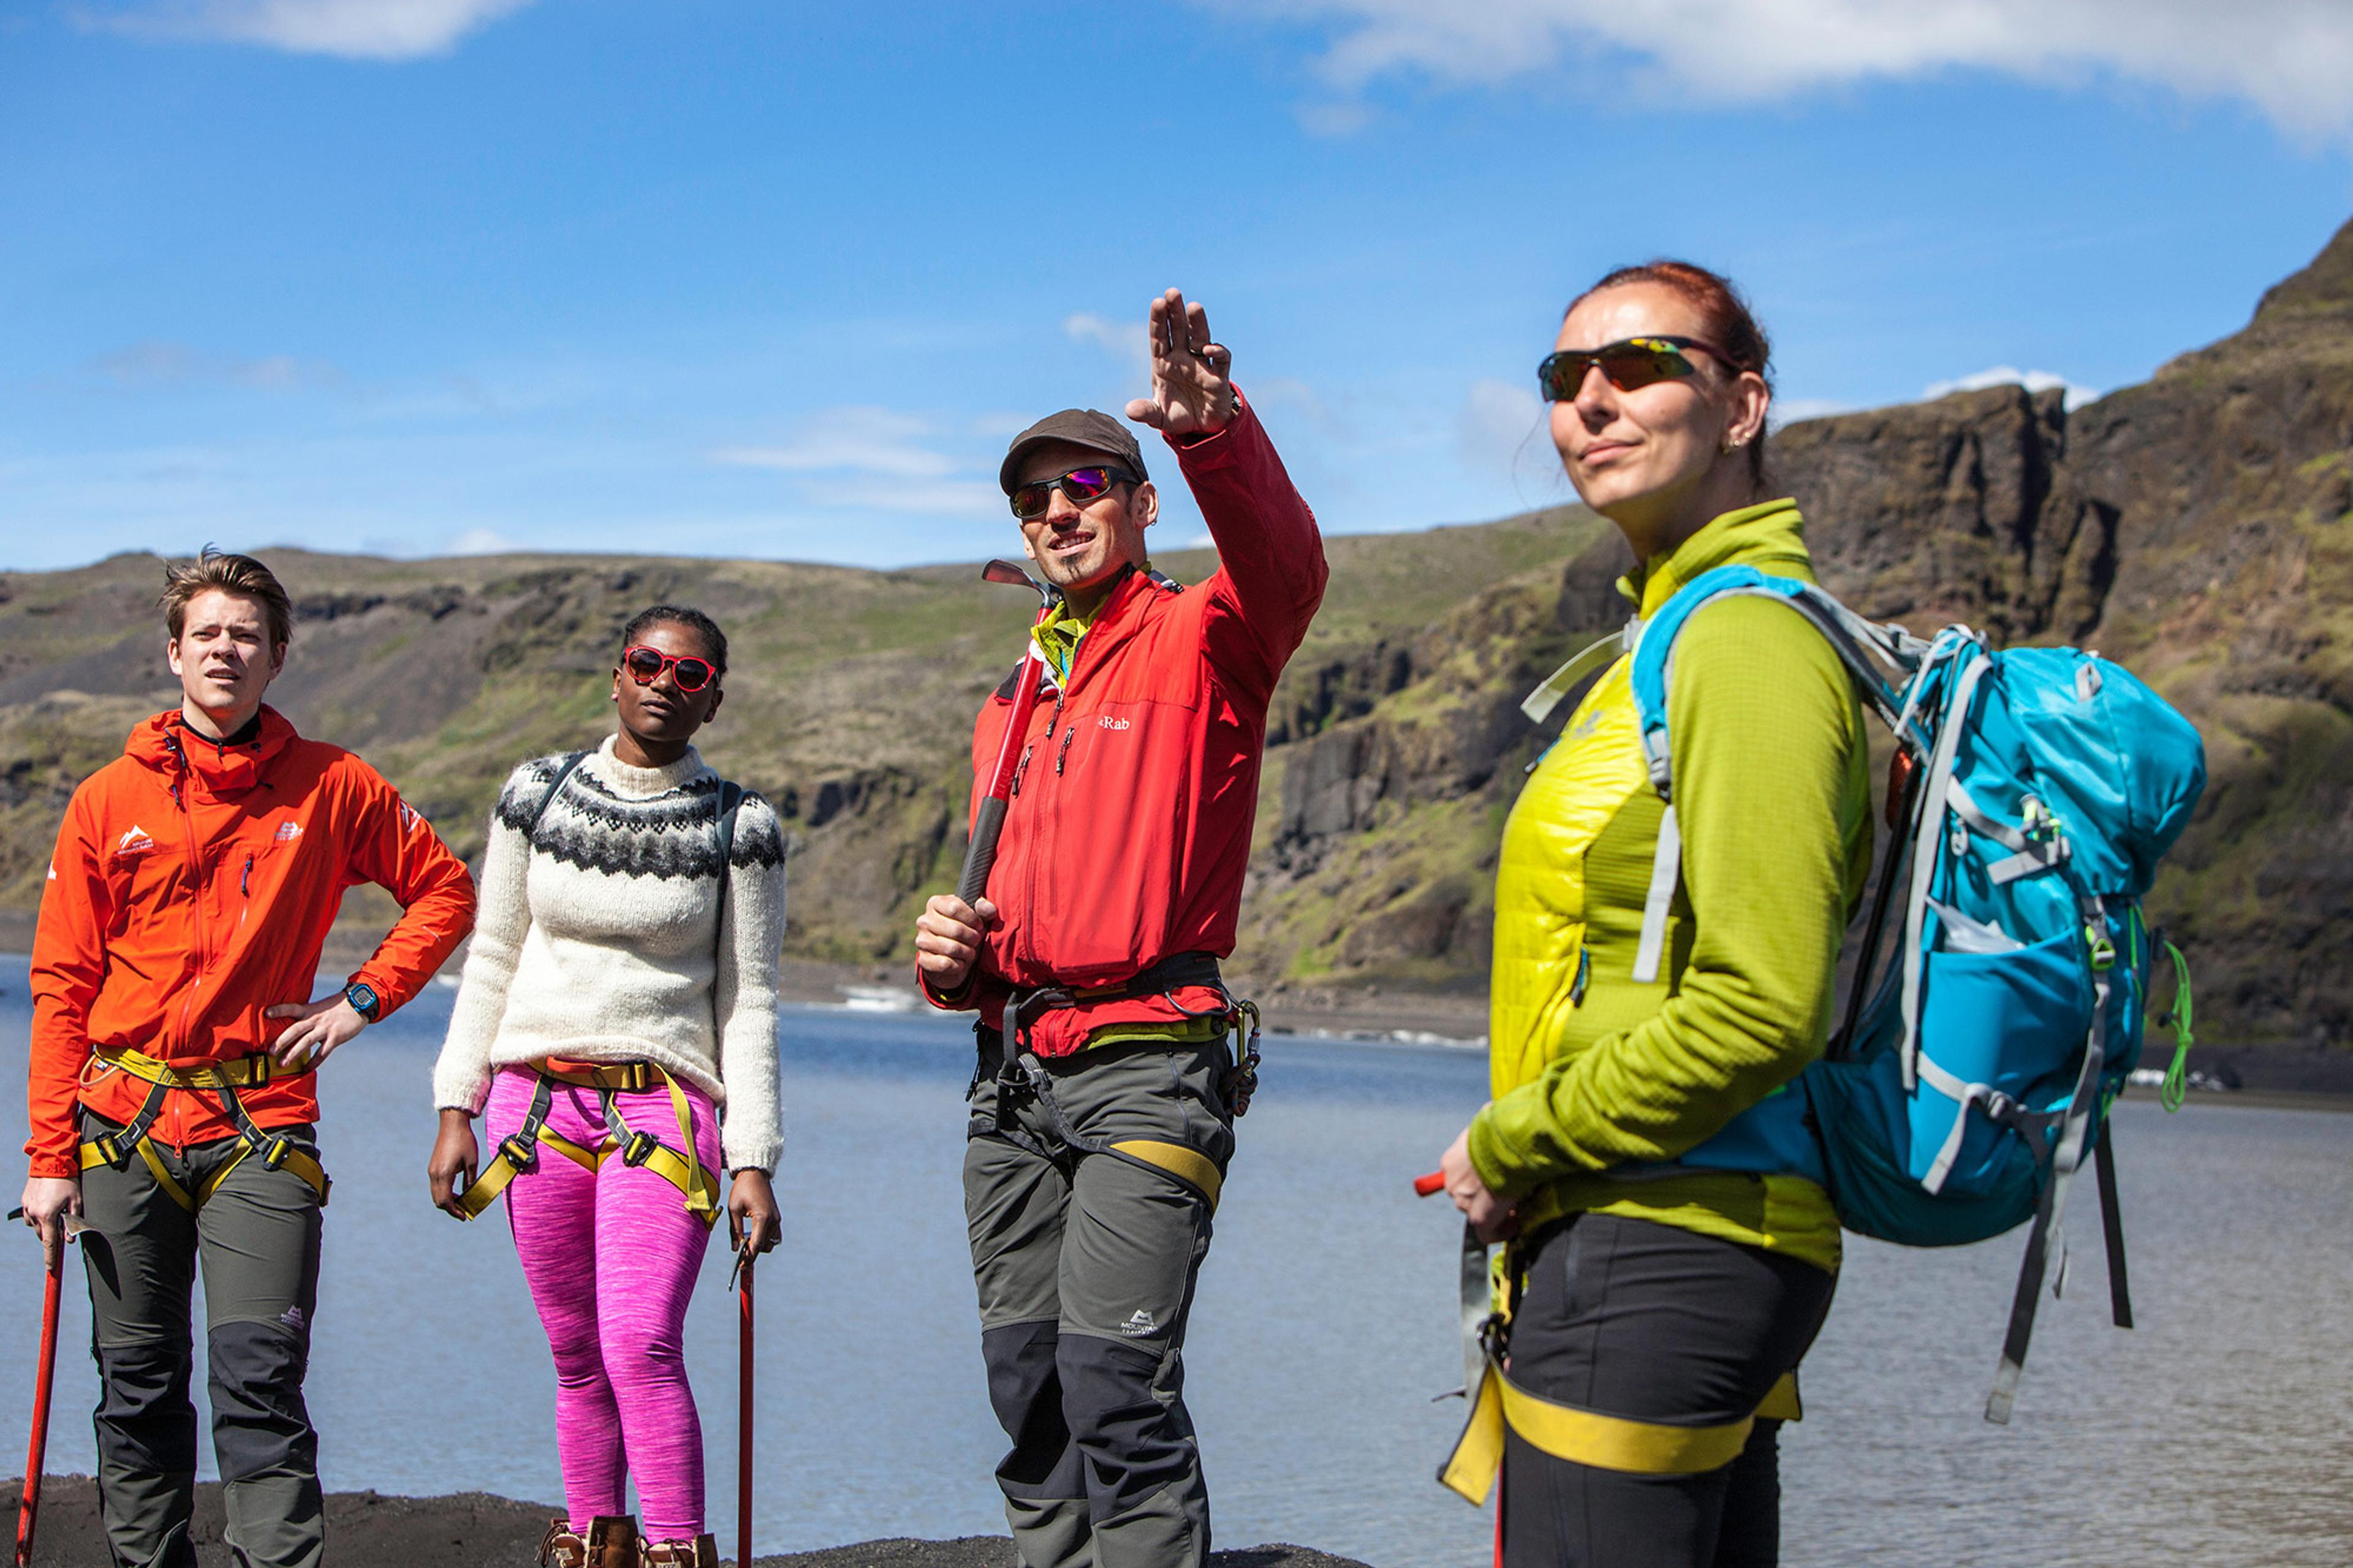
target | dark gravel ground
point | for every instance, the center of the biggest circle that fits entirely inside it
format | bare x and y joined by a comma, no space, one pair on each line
367,1530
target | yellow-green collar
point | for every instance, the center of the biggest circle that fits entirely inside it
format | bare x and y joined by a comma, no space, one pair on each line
1770,534
1058,635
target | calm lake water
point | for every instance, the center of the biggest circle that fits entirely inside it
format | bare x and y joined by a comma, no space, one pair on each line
2219,1432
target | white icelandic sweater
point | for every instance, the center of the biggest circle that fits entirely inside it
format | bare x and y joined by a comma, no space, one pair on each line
601,939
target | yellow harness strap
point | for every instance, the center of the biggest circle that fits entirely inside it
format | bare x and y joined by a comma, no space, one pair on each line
684,1171
1590,1437
243,1072
1189,1166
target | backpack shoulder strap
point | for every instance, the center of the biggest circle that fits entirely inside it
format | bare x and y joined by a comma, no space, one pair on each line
1848,636
572,762
1863,646
730,801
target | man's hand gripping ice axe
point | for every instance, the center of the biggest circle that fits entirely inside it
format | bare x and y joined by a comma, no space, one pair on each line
949,934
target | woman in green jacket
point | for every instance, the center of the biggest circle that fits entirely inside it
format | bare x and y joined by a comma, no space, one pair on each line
1661,1304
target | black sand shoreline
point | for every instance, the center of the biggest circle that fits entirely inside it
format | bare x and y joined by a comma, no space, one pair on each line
371,1530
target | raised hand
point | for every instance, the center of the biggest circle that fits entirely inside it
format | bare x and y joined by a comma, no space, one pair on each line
1191,393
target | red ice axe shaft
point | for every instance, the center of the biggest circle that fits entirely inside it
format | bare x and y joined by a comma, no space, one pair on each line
44,1376
743,1419
989,820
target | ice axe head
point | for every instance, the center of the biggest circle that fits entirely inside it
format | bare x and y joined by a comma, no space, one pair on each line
1008,573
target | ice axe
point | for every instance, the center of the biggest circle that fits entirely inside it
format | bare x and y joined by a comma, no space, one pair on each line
744,1341
44,1376
990,819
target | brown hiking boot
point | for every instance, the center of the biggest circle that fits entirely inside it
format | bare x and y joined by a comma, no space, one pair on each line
703,1552
559,1548
613,1541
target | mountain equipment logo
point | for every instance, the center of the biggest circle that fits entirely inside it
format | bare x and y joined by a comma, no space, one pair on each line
134,842
409,817
288,831
1139,1323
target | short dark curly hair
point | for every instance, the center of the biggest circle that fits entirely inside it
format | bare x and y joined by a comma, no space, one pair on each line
714,641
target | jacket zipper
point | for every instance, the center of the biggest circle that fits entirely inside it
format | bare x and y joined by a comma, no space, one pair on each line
197,875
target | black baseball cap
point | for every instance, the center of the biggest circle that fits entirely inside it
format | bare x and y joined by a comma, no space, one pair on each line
1087,427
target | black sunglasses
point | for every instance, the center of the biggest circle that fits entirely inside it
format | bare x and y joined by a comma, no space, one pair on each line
1082,485
1628,364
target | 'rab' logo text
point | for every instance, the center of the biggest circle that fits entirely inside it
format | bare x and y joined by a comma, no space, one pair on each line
1108,722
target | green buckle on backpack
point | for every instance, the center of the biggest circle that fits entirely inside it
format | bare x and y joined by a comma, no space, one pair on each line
2103,951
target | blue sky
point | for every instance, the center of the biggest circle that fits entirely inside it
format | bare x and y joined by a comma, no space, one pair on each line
750,277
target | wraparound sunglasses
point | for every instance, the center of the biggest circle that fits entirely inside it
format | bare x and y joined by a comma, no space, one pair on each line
1082,485
1628,364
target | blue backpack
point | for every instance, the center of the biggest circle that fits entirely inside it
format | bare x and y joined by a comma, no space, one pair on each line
2033,792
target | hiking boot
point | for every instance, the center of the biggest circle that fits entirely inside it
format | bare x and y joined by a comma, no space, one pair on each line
613,1541
559,1548
703,1552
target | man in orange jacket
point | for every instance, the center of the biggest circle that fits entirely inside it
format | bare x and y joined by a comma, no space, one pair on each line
171,1093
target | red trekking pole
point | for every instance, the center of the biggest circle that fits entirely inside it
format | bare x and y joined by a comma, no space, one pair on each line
44,1376
743,1411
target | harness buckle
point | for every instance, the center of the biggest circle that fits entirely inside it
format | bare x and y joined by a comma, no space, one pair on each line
275,1155
518,1153
109,1149
639,1148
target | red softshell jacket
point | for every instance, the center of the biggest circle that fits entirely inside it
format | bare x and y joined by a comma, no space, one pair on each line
1129,828
193,887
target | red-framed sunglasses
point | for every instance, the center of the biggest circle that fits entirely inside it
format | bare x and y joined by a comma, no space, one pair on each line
645,666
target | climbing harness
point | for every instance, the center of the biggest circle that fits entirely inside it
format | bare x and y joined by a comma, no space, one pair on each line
1567,1431
224,1079
518,1152
1021,1072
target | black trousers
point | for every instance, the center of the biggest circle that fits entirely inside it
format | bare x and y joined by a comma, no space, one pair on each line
1085,1265
1653,1323
257,1242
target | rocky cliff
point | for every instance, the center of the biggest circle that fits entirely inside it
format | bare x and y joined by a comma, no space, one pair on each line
2199,526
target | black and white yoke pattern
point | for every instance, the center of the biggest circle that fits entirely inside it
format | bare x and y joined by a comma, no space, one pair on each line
601,936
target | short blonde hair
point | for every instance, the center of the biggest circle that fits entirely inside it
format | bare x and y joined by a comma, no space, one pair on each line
238,574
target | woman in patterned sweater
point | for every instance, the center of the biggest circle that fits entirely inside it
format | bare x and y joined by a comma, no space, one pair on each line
616,1025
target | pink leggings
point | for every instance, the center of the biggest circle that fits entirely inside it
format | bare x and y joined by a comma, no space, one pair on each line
611,1256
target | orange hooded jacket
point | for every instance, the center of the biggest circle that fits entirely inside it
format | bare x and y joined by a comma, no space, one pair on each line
193,887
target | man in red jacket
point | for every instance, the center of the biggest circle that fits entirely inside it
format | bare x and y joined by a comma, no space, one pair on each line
173,1040
1103,1109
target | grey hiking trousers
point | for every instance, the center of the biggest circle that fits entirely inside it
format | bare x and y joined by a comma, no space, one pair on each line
256,1239
1086,1263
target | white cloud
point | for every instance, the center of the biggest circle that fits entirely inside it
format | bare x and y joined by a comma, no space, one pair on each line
2010,375
1499,422
2292,58
157,362
482,541
1127,339
352,29
850,440
875,444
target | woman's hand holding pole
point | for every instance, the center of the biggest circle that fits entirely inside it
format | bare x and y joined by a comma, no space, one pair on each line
454,1151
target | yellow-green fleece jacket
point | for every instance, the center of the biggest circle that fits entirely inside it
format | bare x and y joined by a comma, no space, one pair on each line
1596,1077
